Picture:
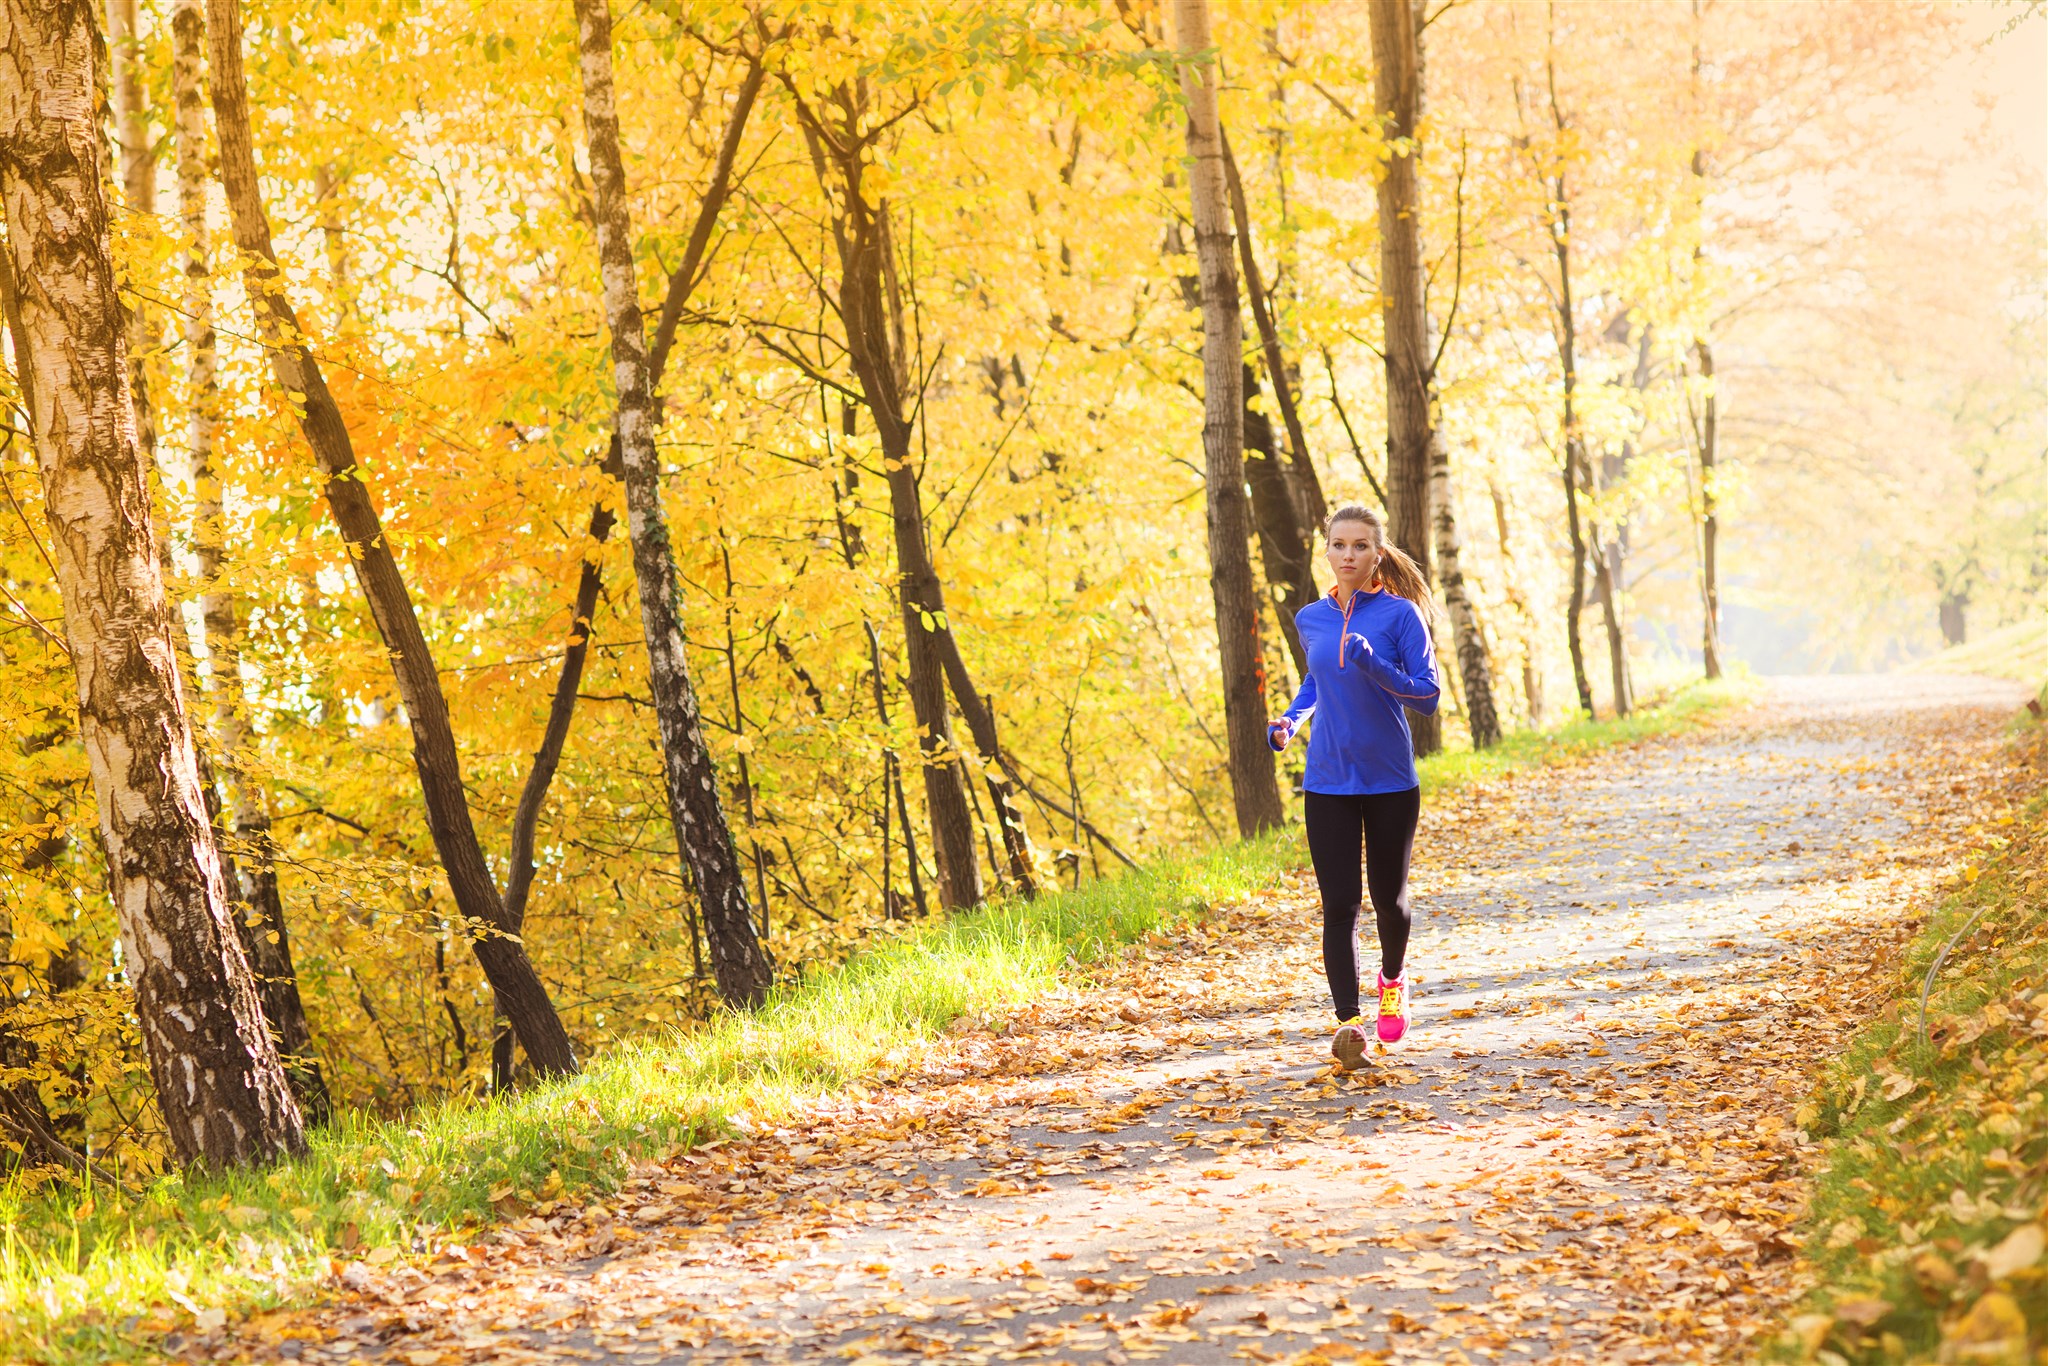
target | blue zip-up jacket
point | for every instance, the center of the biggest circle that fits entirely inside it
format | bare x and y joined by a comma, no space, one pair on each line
1360,741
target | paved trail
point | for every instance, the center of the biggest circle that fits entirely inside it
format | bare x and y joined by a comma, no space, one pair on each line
1589,1151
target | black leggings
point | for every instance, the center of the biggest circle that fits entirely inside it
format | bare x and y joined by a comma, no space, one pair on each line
1335,824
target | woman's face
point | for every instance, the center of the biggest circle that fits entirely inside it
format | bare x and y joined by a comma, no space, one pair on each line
1354,553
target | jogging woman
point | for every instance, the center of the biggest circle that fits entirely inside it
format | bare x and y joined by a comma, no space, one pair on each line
1369,662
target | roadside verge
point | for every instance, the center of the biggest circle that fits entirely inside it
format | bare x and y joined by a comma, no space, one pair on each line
1926,1229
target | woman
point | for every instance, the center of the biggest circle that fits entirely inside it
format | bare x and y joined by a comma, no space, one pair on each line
1369,660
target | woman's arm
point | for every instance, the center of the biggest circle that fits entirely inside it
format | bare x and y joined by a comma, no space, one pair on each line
1304,704
1419,691
1303,707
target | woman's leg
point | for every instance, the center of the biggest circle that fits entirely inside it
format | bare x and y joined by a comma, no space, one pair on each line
1333,847
1389,819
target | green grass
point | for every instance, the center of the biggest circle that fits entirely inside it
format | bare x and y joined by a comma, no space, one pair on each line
91,1275
2018,651
1935,1161
77,1265
1679,711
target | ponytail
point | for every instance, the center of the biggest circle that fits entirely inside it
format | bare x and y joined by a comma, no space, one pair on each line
1398,573
1401,575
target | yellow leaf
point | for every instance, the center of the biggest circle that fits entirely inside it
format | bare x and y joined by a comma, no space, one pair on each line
2017,1251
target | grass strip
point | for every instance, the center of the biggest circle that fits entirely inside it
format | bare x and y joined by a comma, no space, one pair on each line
1926,1230
92,1275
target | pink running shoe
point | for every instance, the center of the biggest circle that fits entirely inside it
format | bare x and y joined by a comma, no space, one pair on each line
1393,1008
1348,1048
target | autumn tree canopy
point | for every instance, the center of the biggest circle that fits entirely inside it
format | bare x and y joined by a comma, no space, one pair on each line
869,351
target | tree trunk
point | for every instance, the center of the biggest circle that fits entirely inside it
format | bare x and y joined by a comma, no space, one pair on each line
1283,548
703,837
1577,474
498,949
1709,431
251,869
981,724
548,758
852,549
590,575
1473,665
1410,364
1304,483
1607,592
1532,672
1575,609
138,193
892,774
219,1081
1710,521
1287,502
1610,580
979,715
876,348
1955,628
870,307
1254,788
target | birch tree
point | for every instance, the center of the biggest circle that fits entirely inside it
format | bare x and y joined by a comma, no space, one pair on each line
703,835
250,867
219,1081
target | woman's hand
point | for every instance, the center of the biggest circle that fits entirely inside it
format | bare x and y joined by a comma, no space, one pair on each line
1279,733
1358,647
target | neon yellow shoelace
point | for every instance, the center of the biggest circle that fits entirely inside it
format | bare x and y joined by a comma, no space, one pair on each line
1390,1000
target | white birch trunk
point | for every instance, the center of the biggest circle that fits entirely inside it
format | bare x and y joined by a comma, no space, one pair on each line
219,1081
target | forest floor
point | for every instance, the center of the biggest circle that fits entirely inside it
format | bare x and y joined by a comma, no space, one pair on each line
1630,969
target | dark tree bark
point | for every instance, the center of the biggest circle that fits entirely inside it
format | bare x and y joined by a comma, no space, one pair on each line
1955,629
1304,483
220,1084
893,776
1575,609
1397,63
546,761
739,961
981,724
1254,790
249,863
1710,520
1606,556
1284,549
871,309
1287,502
497,947
1578,475
877,351
852,549
1707,432
1611,558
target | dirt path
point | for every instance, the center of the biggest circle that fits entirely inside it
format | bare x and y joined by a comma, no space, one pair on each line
1628,968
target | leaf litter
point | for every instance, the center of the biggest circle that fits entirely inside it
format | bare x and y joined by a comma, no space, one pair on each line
1629,968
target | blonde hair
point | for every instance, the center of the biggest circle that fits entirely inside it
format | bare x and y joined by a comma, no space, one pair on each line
1397,572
